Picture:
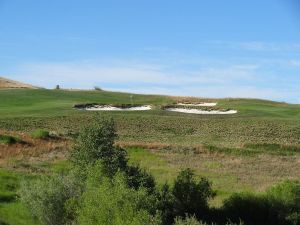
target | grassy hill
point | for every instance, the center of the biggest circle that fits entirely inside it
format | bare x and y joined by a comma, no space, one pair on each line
257,121
248,151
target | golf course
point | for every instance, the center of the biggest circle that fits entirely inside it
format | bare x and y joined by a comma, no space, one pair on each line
251,150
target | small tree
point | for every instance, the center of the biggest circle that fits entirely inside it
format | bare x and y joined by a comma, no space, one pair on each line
111,201
165,204
57,87
191,197
137,178
46,198
96,142
98,88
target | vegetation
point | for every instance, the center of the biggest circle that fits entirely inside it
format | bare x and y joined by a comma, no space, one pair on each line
8,139
9,203
113,202
279,205
101,191
98,88
40,133
257,121
46,198
238,154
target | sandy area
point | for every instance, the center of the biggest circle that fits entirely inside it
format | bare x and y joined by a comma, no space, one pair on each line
112,108
208,104
199,111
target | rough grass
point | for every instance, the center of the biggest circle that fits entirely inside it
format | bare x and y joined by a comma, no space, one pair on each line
12,212
40,134
32,147
229,172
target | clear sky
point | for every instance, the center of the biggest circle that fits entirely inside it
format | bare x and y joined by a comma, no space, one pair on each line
209,48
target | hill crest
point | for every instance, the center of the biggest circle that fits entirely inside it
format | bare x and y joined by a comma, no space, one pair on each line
11,84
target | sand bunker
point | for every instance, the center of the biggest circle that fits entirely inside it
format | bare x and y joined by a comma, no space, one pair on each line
206,104
113,108
200,111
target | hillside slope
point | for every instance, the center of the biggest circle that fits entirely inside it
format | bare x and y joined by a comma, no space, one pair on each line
257,121
8,84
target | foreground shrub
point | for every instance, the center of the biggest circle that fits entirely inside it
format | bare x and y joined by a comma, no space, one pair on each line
191,196
165,204
194,221
137,178
284,200
188,197
253,209
46,198
280,205
188,221
96,142
40,134
111,201
7,139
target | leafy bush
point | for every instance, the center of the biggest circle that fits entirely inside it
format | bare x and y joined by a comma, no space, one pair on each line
137,178
191,197
46,198
96,142
280,205
188,221
284,200
165,204
253,209
194,221
7,139
111,201
40,134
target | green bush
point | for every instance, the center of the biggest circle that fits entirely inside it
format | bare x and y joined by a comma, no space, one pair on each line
96,142
191,196
193,221
284,200
40,134
137,178
188,221
111,201
280,205
7,139
47,198
251,208
165,204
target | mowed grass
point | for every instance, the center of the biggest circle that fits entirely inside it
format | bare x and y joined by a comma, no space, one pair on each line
42,102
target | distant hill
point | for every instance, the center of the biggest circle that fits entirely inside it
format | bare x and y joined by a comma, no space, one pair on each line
8,84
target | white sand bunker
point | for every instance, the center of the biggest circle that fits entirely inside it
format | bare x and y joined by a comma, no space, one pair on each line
207,104
200,111
113,108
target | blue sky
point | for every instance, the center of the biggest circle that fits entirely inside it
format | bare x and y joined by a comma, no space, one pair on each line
209,48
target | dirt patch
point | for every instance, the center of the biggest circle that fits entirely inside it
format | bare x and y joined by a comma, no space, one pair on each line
8,84
31,147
